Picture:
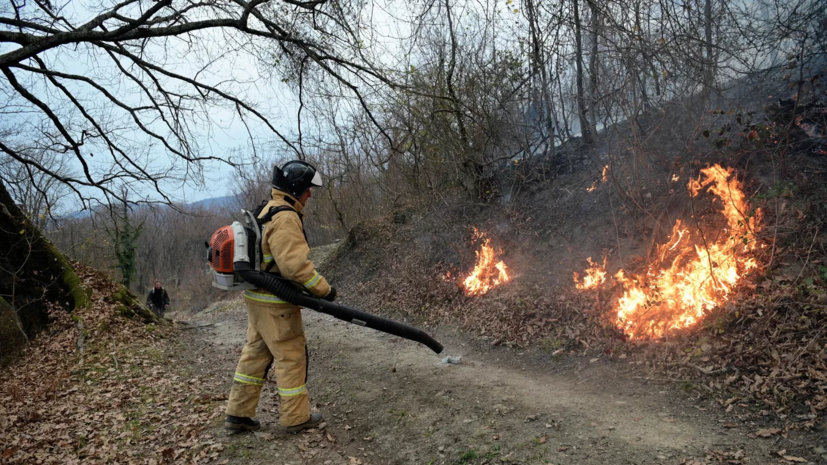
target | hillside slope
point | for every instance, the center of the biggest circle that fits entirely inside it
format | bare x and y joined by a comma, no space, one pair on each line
764,343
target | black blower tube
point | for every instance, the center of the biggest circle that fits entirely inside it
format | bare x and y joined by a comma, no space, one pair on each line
287,291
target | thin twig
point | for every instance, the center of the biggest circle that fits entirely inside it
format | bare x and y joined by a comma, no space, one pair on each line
81,342
114,352
705,371
198,326
807,261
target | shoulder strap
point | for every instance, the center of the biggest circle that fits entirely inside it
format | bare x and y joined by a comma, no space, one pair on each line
259,208
273,212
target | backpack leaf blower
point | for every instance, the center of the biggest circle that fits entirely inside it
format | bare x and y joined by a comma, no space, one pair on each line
234,253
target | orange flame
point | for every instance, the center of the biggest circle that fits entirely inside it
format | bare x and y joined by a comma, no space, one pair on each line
595,275
688,280
487,274
603,178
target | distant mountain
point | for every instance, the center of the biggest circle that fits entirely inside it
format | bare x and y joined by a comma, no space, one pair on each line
215,202
77,215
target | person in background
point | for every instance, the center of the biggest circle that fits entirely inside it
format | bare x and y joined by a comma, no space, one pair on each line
157,300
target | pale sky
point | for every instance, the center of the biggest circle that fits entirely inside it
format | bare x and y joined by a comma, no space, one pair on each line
388,30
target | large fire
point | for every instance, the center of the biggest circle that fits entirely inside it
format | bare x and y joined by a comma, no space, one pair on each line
693,272
487,273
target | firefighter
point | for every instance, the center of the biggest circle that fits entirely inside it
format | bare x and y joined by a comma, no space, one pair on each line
275,334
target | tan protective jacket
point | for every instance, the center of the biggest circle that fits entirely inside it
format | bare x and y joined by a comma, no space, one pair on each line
285,251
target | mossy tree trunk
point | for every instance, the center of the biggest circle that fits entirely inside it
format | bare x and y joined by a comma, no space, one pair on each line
32,273
12,337
129,306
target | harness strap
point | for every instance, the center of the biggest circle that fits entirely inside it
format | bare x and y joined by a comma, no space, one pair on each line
273,211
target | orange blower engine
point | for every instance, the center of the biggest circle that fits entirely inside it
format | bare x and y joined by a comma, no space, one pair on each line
231,244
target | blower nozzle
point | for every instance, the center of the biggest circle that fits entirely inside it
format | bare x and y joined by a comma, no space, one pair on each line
292,294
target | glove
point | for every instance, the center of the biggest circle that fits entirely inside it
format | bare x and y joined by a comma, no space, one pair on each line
331,296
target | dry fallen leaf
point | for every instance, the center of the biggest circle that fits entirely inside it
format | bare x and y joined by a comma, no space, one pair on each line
354,461
791,458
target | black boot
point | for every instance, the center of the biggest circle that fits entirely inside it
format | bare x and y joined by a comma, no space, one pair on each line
313,422
241,424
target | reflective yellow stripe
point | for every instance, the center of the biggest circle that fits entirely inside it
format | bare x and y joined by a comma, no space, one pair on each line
312,281
247,382
248,379
269,298
292,391
268,258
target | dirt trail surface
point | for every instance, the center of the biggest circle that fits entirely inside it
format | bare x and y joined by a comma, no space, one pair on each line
390,401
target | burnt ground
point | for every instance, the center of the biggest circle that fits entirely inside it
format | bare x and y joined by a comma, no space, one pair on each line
390,401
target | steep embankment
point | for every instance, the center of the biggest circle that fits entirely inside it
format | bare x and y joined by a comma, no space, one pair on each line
763,345
101,386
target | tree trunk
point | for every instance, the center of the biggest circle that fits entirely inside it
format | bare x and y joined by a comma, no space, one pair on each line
585,126
32,272
129,306
12,337
470,163
593,67
540,90
709,62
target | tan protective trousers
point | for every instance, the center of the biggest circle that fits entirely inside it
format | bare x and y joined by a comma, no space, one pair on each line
274,335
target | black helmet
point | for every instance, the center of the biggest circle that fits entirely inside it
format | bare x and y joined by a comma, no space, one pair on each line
295,177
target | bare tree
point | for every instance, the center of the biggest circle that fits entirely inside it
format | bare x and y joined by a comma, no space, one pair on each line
128,94
132,102
39,195
585,125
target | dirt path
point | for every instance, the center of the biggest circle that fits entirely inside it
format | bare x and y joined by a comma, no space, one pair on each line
390,401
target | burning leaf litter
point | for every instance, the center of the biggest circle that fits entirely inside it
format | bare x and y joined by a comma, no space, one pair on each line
694,271
486,274
594,277
603,178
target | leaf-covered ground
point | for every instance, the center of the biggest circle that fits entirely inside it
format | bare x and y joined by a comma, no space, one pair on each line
570,391
102,388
